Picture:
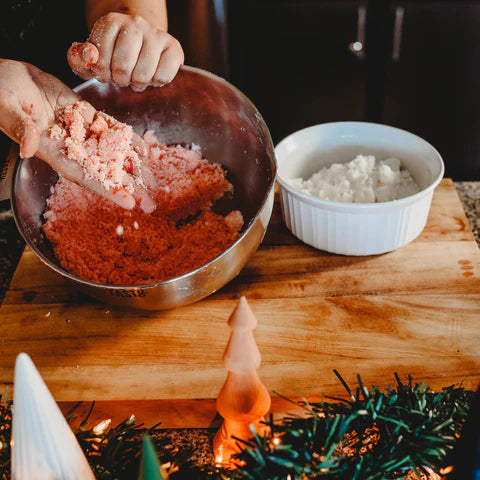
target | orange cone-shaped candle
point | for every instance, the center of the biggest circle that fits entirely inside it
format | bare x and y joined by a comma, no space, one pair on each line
243,399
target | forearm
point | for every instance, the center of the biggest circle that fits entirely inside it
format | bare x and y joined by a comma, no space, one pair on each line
154,11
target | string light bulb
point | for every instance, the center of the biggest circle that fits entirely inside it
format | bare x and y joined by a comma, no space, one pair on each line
446,470
102,426
432,475
219,457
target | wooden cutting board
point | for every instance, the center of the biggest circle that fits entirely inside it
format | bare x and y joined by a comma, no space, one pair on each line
413,311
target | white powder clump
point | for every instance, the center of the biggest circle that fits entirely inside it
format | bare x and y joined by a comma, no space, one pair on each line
362,180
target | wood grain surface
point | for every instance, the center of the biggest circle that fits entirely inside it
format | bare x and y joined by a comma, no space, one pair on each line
413,311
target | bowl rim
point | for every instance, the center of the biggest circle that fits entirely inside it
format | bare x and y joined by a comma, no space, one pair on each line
360,207
146,286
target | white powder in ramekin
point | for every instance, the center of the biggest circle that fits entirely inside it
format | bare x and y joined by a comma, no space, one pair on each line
362,180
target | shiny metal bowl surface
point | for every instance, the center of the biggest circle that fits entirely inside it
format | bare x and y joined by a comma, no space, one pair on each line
197,107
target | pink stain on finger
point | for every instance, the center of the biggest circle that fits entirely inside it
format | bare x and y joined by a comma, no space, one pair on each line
147,203
123,199
89,54
82,56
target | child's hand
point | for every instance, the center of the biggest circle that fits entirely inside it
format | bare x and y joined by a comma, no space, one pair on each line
29,99
128,51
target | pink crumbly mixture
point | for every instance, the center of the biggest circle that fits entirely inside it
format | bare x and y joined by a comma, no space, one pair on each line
103,148
101,242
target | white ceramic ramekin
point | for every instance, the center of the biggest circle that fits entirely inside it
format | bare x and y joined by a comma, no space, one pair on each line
355,228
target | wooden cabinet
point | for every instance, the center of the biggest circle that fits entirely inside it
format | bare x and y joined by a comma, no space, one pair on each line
292,59
420,68
432,83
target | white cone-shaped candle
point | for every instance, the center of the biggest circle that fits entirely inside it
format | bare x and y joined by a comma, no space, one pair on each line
43,444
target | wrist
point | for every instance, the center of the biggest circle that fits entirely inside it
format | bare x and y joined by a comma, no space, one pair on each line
153,11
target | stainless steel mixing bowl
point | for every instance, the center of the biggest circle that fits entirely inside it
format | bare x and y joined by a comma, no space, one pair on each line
197,107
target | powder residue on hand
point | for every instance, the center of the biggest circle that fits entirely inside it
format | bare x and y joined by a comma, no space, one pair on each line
104,243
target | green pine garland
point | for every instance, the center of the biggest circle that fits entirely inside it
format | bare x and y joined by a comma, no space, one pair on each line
372,435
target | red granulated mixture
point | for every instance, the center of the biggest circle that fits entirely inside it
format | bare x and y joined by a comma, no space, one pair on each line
104,243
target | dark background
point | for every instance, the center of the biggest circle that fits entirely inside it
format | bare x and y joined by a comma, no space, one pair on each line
419,68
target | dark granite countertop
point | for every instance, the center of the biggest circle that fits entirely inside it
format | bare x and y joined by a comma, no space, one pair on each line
11,243
11,247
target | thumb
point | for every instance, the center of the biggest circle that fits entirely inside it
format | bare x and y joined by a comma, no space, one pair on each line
82,57
17,124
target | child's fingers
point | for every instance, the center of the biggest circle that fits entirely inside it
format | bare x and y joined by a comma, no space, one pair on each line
104,36
82,57
147,175
168,66
121,197
18,124
147,62
145,171
125,55
50,152
145,201
30,140
88,112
